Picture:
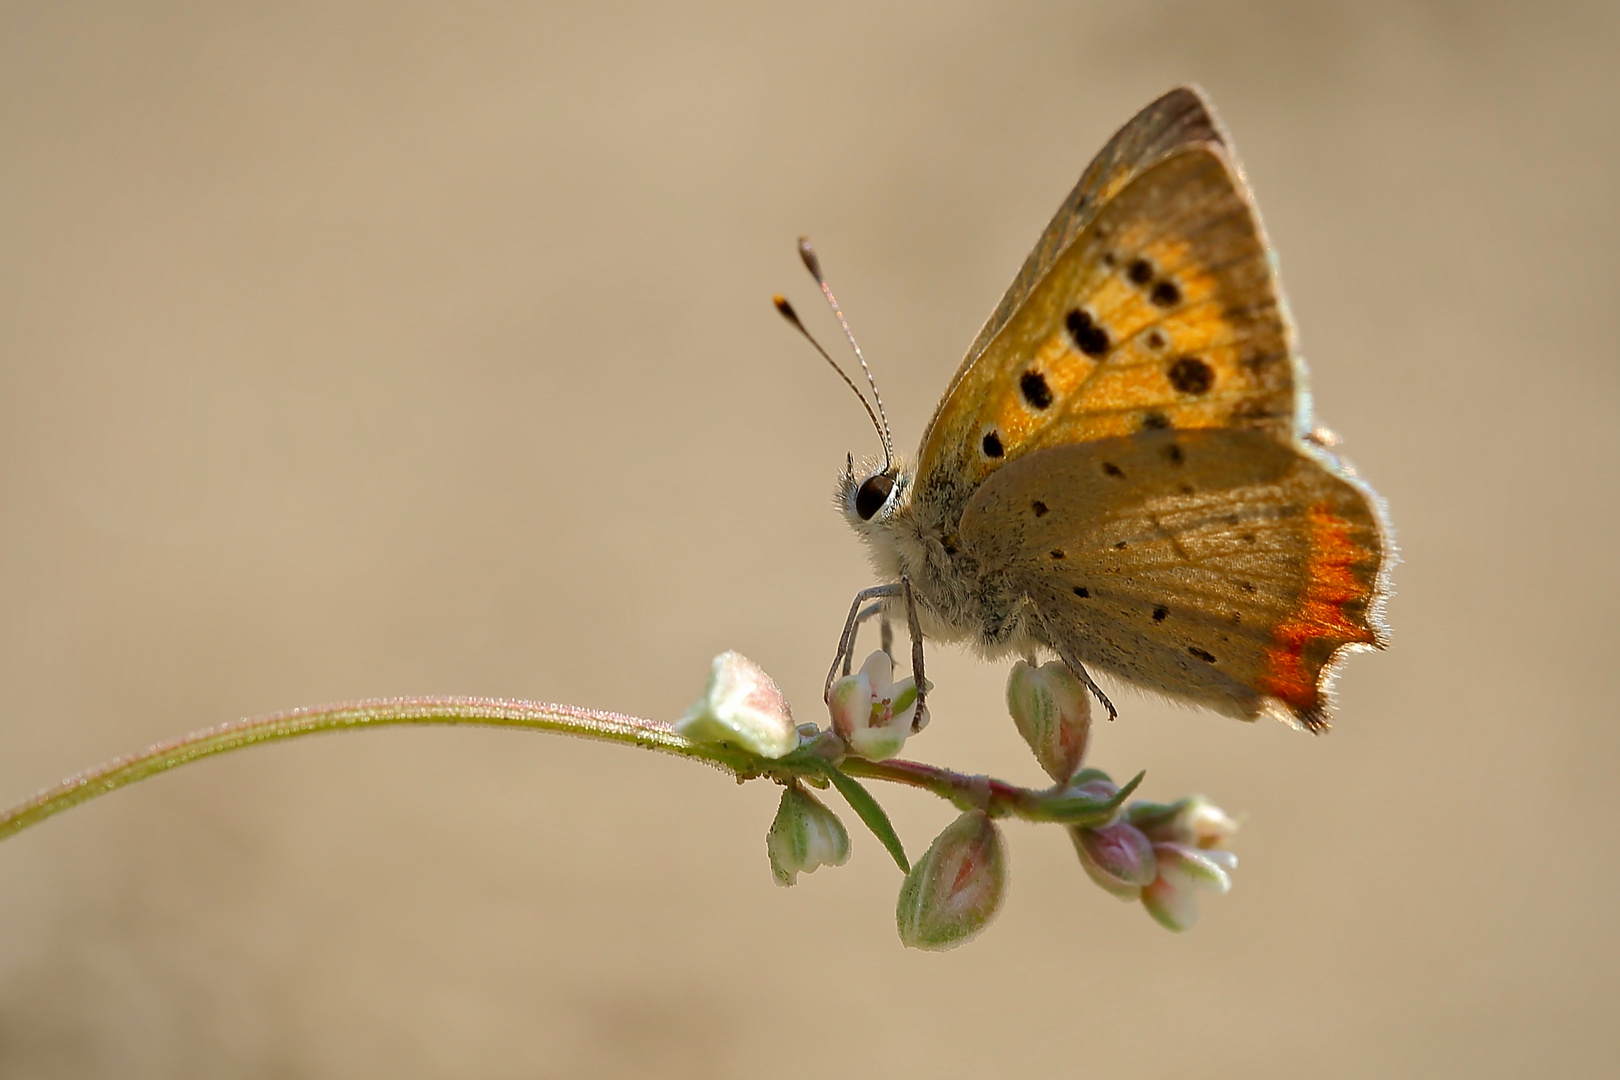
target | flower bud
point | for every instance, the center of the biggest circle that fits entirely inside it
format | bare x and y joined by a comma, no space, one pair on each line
1052,711
870,711
1118,857
1195,822
956,888
1208,824
742,707
804,835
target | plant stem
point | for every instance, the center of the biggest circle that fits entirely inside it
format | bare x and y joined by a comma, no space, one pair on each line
485,712
995,796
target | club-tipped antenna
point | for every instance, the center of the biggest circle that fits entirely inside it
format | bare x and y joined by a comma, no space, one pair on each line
813,264
785,309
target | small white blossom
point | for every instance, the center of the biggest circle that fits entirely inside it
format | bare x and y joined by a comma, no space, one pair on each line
1189,840
870,711
742,707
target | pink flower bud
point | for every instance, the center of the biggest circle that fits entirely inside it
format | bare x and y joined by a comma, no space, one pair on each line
1052,711
804,835
742,707
956,888
1118,857
870,711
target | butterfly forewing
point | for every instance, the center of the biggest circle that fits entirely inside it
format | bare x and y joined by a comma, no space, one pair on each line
1179,118
1163,313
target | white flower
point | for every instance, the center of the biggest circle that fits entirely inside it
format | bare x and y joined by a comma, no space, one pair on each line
804,835
742,707
870,711
1189,839
1183,871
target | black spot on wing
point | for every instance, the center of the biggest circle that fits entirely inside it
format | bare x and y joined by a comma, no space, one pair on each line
1165,294
1113,470
992,445
1201,654
1035,390
1160,613
1190,375
1088,337
1039,507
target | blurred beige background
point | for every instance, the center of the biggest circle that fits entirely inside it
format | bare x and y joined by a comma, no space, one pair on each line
391,348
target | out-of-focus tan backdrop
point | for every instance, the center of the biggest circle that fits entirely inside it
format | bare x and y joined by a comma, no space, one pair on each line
380,349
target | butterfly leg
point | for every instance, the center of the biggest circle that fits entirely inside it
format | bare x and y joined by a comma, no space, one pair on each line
846,642
919,719
1084,676
887,632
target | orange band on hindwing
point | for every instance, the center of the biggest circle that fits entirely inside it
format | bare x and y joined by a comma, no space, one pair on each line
1305,641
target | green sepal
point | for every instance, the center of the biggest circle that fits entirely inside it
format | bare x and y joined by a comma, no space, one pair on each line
1083,809
904,699
1145,815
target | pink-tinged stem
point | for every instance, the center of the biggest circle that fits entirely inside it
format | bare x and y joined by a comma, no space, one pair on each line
997,797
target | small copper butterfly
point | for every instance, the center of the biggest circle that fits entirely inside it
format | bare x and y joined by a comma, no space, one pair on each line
1124,470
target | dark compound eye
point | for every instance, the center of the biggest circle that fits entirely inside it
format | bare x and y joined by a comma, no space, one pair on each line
874,492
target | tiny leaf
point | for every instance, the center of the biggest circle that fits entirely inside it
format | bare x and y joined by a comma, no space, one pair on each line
867,809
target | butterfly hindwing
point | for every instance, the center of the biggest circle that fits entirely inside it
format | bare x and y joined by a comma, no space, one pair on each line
1220,566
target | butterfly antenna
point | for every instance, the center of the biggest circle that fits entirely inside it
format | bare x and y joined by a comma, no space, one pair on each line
813,264
787,312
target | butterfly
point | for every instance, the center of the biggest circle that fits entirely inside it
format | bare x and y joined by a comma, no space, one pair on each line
1124,470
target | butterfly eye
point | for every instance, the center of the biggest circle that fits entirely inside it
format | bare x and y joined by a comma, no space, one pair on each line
873,493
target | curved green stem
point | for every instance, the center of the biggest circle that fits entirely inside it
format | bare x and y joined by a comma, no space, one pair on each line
485,712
